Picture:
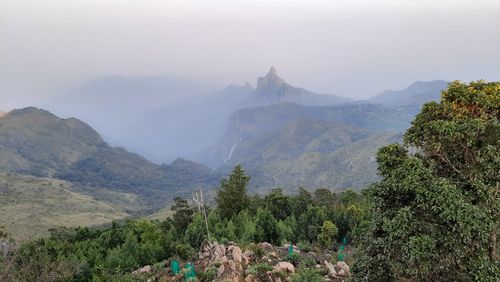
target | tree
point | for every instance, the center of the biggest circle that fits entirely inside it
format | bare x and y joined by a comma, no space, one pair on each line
311,222
435,212
232,195
327,234
196,231
278,204
266,227
183,214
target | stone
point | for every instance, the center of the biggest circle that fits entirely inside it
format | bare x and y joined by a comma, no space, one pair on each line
248,256
284,267
220,270
145,269
341,273
273,255
266,246
331,268
237,255
250,278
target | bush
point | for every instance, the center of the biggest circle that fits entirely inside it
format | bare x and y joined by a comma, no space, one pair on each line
259,271
184,251
209,274
307,275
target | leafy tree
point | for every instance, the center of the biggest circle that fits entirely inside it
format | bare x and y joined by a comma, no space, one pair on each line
183,214
196,231
278,204
323,197
266,227
232,195
301,202
436,211
311,222
328,233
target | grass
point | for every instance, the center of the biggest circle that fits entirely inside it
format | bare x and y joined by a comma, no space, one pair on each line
29,206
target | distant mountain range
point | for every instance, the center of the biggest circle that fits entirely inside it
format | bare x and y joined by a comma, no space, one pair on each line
170,117
283,136
36,142
291,145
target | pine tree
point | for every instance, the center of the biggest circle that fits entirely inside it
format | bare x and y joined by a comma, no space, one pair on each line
232,194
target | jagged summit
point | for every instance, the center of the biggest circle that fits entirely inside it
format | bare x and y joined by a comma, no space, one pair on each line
271,82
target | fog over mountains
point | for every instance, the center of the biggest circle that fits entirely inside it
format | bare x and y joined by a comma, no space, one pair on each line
119,139
163,118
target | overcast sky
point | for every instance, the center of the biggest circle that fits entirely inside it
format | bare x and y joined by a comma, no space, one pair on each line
350,48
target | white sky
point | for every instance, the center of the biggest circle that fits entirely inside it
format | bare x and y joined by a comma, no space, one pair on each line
350,48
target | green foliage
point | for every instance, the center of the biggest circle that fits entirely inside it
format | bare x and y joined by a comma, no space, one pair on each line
209,275
183,214
311,222
278,204
232,194
307,275
266,227
109,253
435,213
294,258
259,271
327,235
196,232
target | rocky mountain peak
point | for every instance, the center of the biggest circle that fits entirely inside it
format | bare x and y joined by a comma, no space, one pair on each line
271,82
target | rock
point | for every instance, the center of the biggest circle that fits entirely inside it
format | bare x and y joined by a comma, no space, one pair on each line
331,268
220,270
266,246
237,255
341,273
219,251
343,268
284,267
248,256
145,269
250,278
295,248
273,255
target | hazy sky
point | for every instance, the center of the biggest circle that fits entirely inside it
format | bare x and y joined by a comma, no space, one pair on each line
350,48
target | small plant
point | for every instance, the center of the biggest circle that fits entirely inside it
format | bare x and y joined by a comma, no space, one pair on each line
257,250
294,258
209,274
307,275
309,262
184,251
304,246
259,271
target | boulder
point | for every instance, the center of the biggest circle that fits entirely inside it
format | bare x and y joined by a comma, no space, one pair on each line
145,269
284,266
331,268
266,246
248,256
237,254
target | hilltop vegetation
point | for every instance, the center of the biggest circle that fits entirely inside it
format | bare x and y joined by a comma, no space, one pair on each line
30,206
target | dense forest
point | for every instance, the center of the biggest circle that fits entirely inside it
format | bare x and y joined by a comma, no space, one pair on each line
433,216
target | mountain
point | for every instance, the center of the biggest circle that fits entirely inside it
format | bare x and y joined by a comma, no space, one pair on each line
413,96
306,152
288,144
170,117
271,89
251,123
36,142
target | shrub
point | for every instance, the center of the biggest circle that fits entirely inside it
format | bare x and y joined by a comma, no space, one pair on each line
307,275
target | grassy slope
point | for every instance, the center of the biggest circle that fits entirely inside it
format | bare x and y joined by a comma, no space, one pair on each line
29,206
